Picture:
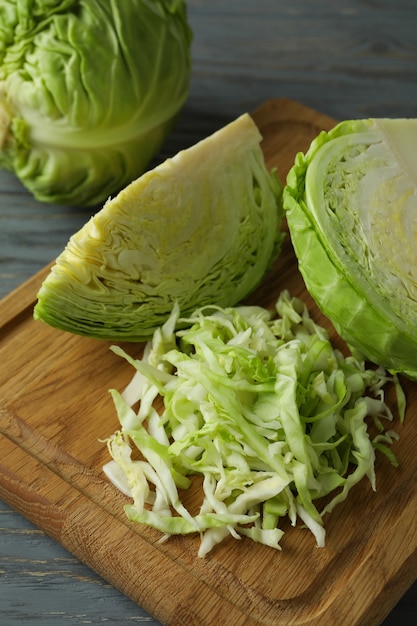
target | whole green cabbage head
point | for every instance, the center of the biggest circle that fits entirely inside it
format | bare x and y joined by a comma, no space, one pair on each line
88,91
199,229
351,206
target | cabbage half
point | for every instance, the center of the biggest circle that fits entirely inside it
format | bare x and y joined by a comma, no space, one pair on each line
88,91
201,228
351,205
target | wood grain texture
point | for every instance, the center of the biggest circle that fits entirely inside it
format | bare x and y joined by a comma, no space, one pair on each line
350,59
54,414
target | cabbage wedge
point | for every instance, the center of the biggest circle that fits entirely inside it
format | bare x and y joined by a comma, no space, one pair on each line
351,206
201,228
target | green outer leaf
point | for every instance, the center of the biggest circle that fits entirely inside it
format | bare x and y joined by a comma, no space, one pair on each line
361,316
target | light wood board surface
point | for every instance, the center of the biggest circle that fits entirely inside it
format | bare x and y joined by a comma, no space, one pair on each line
55,410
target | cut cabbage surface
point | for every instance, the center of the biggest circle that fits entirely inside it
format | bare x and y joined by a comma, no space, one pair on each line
201,228
351,206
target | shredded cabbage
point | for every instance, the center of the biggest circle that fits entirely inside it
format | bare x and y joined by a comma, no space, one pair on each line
259,405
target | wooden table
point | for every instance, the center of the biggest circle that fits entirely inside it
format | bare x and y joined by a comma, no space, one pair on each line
347,60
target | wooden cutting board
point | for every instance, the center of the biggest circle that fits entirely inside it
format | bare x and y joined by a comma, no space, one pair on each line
55,411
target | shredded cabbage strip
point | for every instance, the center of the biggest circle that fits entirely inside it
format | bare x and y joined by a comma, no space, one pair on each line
262,407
